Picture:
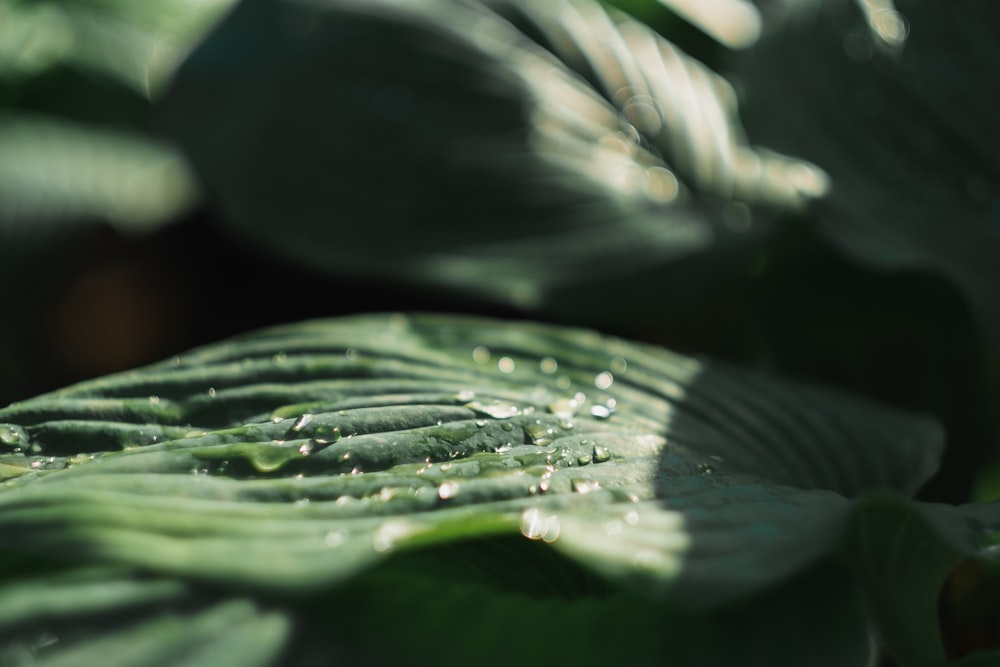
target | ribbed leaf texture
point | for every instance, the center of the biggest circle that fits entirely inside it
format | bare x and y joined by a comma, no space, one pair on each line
486,460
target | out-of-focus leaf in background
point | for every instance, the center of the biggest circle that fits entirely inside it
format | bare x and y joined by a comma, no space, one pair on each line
77,158
899,108
53,171
511,151
897,102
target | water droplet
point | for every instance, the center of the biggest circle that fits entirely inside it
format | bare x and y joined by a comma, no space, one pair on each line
564,408
613,527
13,436
660,184
563,382
600,412
356,470
465,396
448,490
585,486
276,419
200,472
507,426
495,408
336,538
390,533
603,380
632,517
584,459
706,469
888,24
481,423
350,354
175,361
540,434
302,422
306,448
601,454
506,365
154,400
503,449
344,500
211,392
566,425
548,365
536,525
481,355
279,358
301,502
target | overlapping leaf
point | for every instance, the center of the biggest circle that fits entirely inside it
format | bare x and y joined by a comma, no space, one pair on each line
292,461
898,107
504,148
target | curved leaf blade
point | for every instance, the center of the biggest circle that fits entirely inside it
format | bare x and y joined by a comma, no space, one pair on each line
365,436
519,146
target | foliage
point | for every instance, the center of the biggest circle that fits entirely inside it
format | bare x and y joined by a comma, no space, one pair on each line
361,488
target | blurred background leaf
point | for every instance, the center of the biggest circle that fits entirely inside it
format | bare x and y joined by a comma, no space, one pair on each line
507,151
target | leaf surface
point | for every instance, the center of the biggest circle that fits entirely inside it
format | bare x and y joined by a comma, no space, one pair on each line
305,458
512,150
897,107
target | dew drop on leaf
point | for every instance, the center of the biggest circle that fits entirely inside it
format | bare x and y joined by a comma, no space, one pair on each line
302,422
603,380
448,490
537,525
584,486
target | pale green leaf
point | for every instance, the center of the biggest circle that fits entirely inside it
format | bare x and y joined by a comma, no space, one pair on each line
56,171
300,460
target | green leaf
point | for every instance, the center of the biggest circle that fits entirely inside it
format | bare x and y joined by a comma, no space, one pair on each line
137,43
511,150
54,171
898,108
291,462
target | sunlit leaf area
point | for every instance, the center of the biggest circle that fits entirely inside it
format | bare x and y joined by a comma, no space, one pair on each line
386,332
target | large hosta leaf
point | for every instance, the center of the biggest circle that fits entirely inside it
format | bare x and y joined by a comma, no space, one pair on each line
391,456
505,148
899,109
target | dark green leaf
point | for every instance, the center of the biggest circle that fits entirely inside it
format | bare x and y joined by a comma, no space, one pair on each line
899,109
507,149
